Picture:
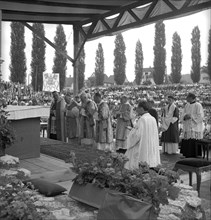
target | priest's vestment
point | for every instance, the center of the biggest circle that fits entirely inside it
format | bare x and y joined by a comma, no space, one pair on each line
170,126
143,143
104,131
192,129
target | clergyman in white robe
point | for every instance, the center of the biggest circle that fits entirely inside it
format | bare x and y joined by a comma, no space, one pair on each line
192,119
143,143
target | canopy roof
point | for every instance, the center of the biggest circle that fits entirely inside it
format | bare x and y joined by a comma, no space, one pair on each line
94,18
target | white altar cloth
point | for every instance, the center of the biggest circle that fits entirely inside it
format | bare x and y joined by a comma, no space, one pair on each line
23,112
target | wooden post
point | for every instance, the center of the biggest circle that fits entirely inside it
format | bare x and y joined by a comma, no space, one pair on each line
0,42
75,70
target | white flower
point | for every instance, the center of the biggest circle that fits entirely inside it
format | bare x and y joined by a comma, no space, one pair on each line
8,159
48,199
28,192
8,172
38,203
25,171
193,201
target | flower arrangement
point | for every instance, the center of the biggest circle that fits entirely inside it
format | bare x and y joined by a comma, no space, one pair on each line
17,201
206,134
7,133
147,184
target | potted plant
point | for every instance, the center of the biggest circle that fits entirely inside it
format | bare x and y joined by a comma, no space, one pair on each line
149,185
7,133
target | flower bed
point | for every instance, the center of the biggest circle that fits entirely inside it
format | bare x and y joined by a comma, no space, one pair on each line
153,186
16,200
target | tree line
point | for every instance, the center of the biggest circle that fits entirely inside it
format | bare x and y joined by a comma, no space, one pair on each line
18,58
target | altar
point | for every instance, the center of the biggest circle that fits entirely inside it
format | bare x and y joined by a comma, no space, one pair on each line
26,122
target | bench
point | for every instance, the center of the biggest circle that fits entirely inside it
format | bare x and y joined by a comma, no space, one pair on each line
193,165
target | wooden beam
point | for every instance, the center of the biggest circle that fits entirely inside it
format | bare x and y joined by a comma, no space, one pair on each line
133,15
0,43
39,19
148,20
0,34
122,9
47,41
75,70
69,4
77,54
50,14
36,8
170,5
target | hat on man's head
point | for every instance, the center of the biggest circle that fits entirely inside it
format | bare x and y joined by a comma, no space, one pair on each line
83,94
171,97
191,95
151,100
124,96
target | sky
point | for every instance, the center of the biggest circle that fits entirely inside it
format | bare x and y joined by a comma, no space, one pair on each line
183,26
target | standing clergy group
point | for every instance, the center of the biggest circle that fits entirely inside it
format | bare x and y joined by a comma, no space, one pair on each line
90,120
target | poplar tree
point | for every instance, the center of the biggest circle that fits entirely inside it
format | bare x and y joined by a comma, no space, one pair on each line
195,55
159,53
18,59
119,60
38,57
81,69
99,66
209,56
176,59
138,63
91,81
59,60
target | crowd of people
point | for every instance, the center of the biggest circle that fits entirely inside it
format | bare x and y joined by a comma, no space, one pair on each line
139,128
130,120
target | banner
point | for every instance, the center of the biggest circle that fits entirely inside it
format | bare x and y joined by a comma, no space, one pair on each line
51,82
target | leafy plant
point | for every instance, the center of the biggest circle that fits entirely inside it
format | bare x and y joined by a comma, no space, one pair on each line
17,201
153,185
7,133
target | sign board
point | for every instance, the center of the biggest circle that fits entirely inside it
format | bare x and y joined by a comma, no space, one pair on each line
51,82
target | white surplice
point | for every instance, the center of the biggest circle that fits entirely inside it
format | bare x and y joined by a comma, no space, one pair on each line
143,143
168,117
193,127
